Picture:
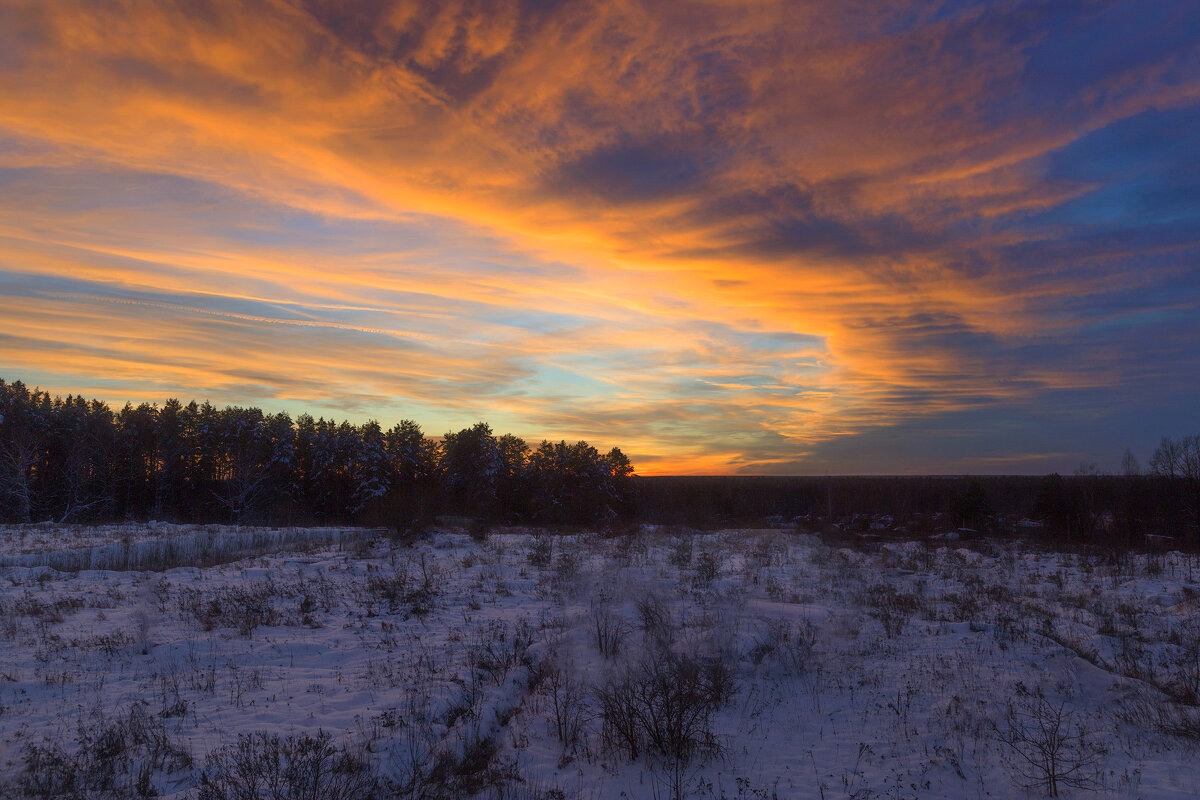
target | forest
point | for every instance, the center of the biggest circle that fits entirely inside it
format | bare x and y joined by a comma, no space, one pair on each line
76,460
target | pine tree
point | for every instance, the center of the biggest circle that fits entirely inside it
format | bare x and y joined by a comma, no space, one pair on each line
471,466
372,470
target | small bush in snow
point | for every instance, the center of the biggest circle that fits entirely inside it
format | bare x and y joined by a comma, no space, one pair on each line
892,607
243,608
541,552
499,648
654,618
417,589
608,627
788,644
262,766
568,702
707,570
114,757
664,705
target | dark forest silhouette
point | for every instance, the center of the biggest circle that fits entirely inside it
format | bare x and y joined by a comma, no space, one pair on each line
1110,510
76,460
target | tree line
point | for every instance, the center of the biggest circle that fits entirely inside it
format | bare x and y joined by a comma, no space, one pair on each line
76,460
1158,505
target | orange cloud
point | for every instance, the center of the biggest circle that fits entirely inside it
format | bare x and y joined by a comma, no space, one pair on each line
628,221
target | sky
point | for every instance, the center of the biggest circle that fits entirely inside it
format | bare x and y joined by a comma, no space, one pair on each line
827,237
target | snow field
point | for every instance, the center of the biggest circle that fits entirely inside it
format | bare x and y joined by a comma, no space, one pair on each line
741,664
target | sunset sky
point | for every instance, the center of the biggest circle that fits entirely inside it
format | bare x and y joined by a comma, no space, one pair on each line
799,237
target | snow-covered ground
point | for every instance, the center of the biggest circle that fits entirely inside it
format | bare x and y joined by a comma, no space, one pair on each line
742,664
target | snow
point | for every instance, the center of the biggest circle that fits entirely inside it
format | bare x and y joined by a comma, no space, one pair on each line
882,673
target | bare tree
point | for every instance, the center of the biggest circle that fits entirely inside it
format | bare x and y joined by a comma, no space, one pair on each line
1130,466
1052,750
1179,460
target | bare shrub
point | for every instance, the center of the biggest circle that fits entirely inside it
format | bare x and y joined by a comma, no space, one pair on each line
654,618
171,691
242,682
664,705
50,612
890,606
408,587
566,568
470,768
682,547
1152,711
1176,720
110,644
242,608
1132,660
1052,749
413,754
262,766
541,552
499,648
391,586
114,757
962,606
788,644
524,791
49,772
1184,684
568,703
707,570
608,627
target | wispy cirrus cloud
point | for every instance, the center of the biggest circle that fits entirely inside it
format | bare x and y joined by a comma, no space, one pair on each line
759,237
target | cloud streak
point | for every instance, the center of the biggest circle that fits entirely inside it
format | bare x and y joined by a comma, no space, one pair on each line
725,236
